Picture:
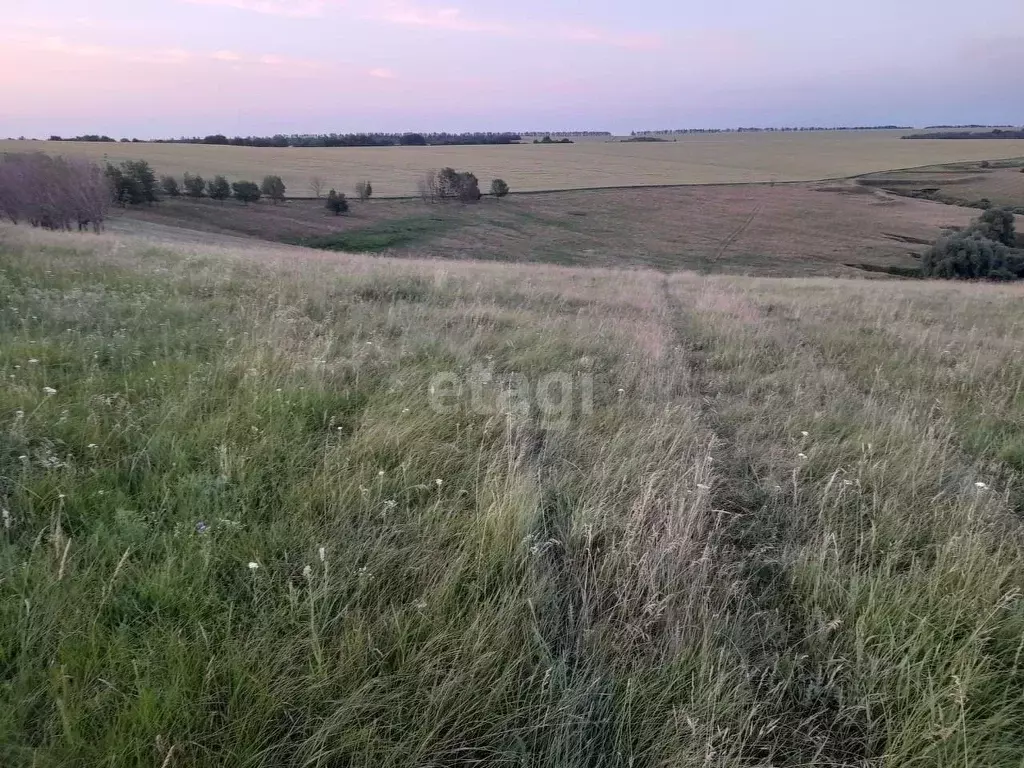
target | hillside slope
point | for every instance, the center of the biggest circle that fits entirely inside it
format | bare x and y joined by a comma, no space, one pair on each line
316,509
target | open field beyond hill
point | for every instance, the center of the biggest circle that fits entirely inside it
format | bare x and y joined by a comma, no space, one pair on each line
780,230
964,184
696,159
769,522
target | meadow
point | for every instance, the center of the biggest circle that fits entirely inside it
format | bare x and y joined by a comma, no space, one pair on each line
770,523
693,159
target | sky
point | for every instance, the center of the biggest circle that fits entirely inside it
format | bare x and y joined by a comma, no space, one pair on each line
167,68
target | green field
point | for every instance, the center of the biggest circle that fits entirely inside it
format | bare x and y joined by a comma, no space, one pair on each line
772,522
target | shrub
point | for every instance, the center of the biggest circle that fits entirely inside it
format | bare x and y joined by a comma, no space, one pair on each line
134,182
997,224
449,184
195,186
336,203
499,188
169,185
316,186
274,188
246,191
219,188
469,188
971,256
364,190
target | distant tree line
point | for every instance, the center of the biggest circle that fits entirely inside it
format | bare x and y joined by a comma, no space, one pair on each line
350,139
88,137
795,129
570,134
54,192
996,133
966,125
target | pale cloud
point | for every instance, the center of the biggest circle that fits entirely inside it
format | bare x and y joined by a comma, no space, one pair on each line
61,46
296,9
604,37
451,19
443,18
383,73
454,20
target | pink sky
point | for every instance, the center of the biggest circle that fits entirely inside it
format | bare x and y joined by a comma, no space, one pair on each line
264,66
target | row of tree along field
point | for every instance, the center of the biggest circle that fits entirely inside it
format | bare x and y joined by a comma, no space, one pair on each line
62,193
326,139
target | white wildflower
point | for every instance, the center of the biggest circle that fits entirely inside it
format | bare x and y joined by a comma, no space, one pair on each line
703,487
6,515
323,554
439,482
981,486
307,573
32,361
806,434
49,391
254,566
405,410
92,445
381,473
801,455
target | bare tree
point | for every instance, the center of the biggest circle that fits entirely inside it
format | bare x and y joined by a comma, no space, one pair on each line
54,192
316,186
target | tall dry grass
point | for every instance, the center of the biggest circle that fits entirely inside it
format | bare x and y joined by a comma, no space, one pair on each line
236,533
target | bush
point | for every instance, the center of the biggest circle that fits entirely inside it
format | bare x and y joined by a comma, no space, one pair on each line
195,186
971,256
134,182
336,203
364,190
246,191
273,187
997,224
169,185
499,188
219,188
449,184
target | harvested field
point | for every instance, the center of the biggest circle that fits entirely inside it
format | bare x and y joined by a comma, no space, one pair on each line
694,159
782,230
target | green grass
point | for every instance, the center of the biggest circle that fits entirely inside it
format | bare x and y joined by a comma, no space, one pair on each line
763,545
382,236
